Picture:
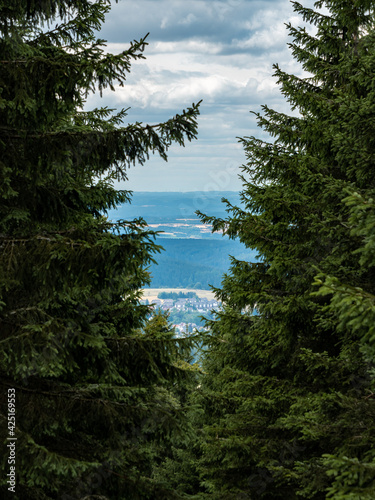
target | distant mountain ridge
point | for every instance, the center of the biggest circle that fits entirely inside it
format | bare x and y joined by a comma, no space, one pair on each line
156,206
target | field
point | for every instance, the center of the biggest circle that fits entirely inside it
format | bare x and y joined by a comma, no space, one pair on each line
152,293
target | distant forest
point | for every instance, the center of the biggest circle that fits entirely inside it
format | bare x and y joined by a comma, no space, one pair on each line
195,263
190,259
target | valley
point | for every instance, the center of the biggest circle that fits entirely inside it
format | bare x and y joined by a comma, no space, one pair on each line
193,256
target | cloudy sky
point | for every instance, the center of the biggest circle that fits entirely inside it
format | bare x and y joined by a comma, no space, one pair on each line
220,51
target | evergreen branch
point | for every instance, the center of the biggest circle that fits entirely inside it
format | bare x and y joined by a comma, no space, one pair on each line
187,119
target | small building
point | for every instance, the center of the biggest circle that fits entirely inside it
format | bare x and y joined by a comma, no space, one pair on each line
168,303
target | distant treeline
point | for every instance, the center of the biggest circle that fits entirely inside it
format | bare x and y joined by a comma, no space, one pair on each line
176,296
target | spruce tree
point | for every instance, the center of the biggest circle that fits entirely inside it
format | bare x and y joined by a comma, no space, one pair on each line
93,379
289,388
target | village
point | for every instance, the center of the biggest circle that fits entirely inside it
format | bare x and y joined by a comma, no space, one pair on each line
185,314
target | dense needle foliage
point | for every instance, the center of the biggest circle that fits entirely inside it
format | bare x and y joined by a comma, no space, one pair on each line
95,398
287,399
288,396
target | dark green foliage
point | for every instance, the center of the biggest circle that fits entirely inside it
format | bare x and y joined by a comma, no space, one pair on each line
176,316
288,395
93,378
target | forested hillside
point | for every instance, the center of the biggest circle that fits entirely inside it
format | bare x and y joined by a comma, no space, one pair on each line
192,256
195,263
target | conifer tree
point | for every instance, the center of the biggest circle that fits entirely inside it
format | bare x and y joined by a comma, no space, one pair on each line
92,378
289,390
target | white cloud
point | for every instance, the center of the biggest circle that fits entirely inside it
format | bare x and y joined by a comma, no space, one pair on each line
189,19
220,51
264,39
187,46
